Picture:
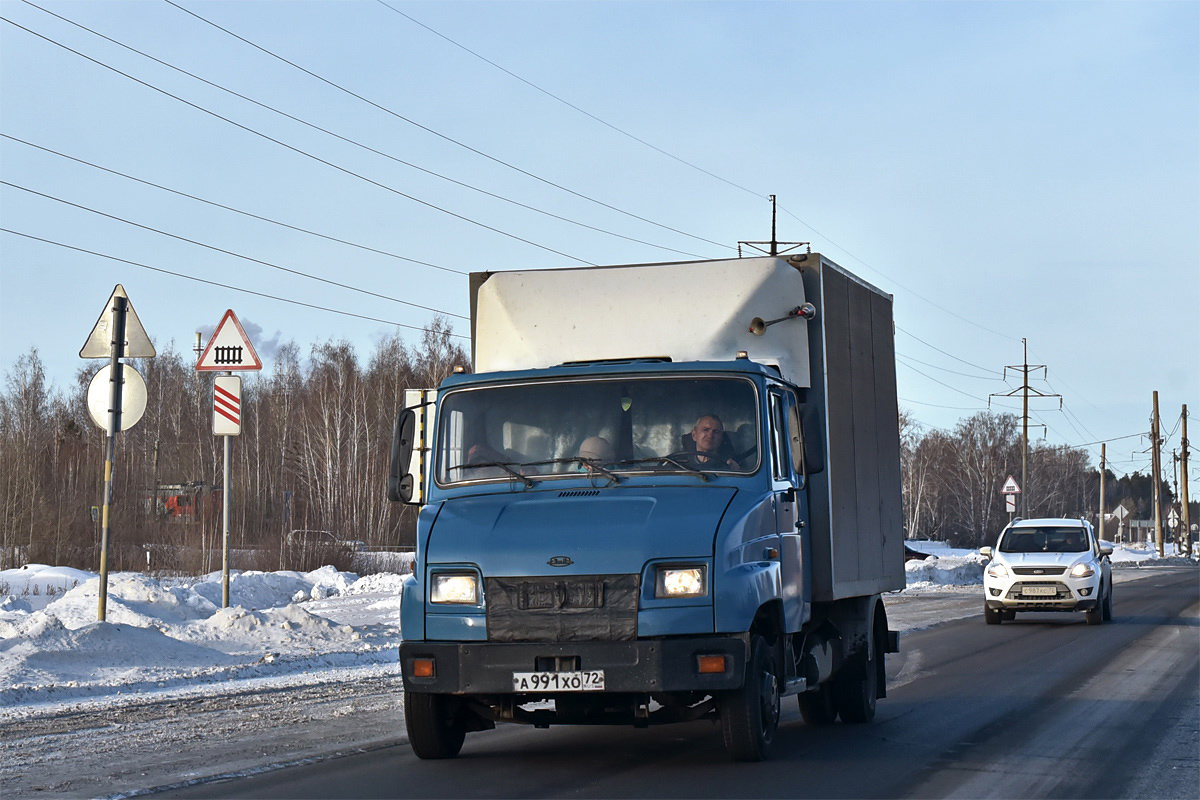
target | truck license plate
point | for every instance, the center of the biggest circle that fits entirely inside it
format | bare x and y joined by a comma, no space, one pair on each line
583,681
1039,591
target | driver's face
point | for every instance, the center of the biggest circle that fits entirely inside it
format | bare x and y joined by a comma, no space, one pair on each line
707,434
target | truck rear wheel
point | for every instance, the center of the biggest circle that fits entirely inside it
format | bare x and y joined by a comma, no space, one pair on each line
856,687
750,714
434,729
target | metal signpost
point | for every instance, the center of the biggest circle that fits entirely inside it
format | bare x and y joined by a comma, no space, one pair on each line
229,349
118,334
1010,490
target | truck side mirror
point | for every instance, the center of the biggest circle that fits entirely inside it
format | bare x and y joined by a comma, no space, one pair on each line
813,457
400,480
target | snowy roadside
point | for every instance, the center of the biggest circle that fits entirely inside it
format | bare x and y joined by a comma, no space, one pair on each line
173,690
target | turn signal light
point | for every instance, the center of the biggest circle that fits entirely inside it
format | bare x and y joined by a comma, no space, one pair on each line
423,668
710,665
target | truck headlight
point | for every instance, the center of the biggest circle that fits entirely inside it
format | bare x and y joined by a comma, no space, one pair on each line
1083,570
681,582
997,570
459,588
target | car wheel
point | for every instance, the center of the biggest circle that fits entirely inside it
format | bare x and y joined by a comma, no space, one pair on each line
1108,604
991,616
1094,616
434,729
750,714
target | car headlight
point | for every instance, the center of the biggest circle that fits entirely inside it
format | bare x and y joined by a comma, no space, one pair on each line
681,582
459,588
1083,570
997,570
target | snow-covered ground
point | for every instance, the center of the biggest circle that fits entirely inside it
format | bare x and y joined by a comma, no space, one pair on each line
172,688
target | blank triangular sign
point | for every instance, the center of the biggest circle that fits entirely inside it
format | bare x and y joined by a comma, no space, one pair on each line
229,348
99,343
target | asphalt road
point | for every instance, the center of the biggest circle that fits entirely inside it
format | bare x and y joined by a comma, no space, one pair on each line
1044,706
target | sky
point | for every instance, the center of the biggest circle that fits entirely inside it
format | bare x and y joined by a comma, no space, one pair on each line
333,170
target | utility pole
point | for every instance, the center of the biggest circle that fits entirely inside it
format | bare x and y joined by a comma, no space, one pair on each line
1026,390
1183,489
1103,466
1156,468
771,248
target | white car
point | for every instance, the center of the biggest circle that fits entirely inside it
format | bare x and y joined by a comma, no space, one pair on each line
1047,565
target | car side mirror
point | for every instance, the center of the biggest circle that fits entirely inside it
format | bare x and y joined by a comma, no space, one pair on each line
1105,550
986,552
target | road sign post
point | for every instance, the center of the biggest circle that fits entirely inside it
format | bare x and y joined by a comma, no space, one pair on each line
229,349
120,327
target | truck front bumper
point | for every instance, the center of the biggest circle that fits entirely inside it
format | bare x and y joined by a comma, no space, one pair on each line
639,666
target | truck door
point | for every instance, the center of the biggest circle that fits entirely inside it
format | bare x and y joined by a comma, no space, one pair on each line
787,498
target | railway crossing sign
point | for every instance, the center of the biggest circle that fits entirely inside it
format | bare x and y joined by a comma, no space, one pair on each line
227,405
1010,486
229,348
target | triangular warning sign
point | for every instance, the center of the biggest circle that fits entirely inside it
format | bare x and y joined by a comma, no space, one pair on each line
229,348
99,342
1010,486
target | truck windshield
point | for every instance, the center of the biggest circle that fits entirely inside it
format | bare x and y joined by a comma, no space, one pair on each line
1044,540
531,431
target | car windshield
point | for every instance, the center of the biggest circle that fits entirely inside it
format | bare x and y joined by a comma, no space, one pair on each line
530,431
1044,540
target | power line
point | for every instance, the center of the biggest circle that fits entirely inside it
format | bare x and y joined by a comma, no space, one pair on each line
569,104
232,253
992,377
943,352
440,135
901,285
231,208
356,143
223,285
298,150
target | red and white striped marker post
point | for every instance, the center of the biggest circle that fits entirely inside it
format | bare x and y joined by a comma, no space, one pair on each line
227,405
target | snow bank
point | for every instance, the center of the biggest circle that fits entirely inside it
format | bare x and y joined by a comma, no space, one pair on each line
170,632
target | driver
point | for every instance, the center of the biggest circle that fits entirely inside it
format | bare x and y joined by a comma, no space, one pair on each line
709,442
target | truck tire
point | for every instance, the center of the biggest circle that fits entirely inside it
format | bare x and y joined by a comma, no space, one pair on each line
856,687
817,707
434,730
750,714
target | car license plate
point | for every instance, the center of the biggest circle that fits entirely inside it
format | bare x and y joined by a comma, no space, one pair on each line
1039,591
590,680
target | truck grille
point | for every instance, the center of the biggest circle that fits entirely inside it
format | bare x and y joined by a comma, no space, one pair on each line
578,608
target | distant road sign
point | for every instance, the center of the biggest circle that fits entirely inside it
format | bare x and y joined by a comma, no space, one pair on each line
1121,512
227,405
229,348
1010,486
133,397
99,341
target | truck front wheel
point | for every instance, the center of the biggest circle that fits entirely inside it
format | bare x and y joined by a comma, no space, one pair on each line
434,728
750,715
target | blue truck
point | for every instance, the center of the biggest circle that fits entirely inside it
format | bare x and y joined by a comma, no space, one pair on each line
664,493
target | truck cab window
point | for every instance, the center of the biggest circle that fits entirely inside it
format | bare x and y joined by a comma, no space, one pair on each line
539,428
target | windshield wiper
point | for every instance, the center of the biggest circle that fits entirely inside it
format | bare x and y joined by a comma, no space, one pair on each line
593,463
673,460
507,466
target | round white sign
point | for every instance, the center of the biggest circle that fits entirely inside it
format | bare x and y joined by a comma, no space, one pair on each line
133,397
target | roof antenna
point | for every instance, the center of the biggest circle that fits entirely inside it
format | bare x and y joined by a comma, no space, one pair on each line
772,247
